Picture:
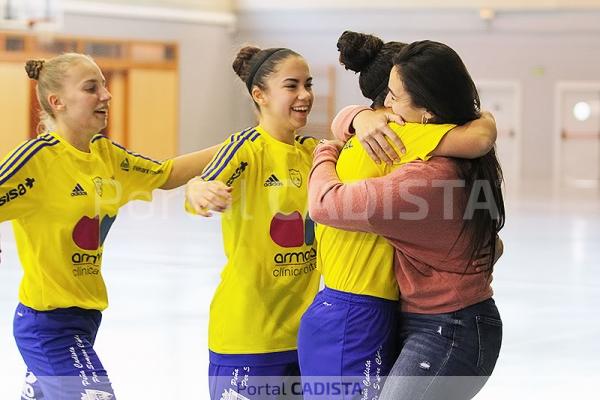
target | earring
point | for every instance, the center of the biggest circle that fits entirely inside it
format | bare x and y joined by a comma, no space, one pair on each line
424,119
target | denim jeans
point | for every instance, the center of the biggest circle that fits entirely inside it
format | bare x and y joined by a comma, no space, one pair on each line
445,356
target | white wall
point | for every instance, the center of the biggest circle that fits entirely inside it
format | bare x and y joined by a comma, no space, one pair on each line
537,49
534,48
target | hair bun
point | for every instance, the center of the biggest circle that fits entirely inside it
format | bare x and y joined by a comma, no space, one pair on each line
33,68
241,64
357,50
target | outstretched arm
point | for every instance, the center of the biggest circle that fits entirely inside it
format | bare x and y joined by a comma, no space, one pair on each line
189,165
203,196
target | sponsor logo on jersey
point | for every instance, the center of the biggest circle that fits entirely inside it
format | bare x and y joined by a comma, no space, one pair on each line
296,177
237,173
125,165
89,235
78,191
21,190
292,231
147,170
272,181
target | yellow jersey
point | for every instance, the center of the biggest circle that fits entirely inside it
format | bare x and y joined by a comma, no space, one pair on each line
63,202
270,277
359,262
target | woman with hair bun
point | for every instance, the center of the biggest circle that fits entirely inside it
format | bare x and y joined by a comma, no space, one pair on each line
349,332
258,178
439,216
63,191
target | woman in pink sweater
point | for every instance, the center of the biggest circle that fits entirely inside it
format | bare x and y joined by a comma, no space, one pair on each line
438,215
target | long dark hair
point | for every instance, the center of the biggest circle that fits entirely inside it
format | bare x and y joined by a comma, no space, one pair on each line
436,79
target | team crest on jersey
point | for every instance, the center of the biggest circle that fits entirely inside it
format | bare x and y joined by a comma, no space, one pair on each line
296,177
98,185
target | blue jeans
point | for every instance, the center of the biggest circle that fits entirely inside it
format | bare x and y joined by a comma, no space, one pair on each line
445,356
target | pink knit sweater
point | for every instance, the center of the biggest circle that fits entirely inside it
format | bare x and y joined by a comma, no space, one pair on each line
419,208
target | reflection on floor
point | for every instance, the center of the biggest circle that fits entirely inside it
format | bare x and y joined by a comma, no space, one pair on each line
162,266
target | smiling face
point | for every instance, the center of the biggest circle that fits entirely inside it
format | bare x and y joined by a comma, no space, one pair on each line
81,106
399,100
287,98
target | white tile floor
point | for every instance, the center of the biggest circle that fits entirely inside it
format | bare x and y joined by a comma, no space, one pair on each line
161,268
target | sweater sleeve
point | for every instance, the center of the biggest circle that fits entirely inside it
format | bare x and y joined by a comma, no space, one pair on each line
332,203
419,208
342,123
402,205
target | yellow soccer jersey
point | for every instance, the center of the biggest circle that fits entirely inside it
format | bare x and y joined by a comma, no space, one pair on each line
359,262
270,277
63,202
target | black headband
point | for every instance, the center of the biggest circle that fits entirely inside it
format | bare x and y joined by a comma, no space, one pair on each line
259,62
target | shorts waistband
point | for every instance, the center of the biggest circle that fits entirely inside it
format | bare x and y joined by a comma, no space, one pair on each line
357,298
259,359
22,308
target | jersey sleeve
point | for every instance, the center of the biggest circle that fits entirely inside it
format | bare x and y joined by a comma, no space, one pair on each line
138,175
420,140
21,177
232,160
231,163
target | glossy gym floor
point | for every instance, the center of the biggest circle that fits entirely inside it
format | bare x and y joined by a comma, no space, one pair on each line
162,266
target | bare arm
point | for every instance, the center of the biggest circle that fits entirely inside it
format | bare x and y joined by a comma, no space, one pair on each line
471,140
341,126
189,165
203,196
371,129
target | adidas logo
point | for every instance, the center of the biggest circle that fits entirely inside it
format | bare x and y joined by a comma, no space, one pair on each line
273,181
78,191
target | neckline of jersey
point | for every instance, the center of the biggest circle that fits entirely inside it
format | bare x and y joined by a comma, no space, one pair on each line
268,137
72,149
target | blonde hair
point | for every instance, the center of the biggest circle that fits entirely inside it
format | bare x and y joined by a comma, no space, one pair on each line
49,76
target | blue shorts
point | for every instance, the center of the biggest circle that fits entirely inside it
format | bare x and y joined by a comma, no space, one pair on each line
254,376
57,347
347,345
